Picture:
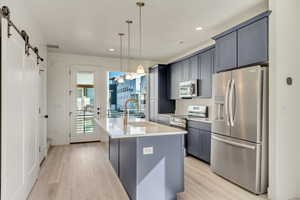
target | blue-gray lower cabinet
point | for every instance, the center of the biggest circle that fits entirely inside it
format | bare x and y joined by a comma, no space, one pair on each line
114,154
206,145
160,175
128,165
152,175
193,142
199,140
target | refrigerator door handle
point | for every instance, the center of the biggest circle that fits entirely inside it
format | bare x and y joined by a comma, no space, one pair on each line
231,106
234,143
226,103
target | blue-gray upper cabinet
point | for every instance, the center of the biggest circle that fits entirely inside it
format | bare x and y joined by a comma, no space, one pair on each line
173,88
253,43
185,70
206,71
226,52
243,45
159,90
194,69
176,78
213,53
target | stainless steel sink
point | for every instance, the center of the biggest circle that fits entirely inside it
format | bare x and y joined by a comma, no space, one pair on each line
139,124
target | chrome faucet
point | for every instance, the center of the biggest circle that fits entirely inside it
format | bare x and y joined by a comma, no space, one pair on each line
126,110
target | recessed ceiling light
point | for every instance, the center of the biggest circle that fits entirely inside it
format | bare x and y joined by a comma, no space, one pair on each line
199,28
111,50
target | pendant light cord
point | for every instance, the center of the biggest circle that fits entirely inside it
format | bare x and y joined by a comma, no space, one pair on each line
121,51
129,42
128,46
140,68
140,27
121,54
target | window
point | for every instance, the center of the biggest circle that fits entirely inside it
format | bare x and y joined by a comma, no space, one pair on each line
120,92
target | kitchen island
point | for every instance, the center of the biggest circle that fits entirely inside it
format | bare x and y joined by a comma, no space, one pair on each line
147,157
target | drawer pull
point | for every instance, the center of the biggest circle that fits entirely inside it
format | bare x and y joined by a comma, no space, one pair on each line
234,143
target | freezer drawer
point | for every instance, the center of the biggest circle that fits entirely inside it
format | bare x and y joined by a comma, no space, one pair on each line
238,161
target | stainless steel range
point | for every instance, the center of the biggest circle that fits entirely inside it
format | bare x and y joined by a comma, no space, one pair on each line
178,121
192,112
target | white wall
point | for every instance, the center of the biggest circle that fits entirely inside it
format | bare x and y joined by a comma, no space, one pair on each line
58,86
284,99
21,16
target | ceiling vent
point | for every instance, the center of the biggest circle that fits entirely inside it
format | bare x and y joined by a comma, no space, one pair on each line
52,46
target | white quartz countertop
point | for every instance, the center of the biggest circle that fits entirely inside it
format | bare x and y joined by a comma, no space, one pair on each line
136,128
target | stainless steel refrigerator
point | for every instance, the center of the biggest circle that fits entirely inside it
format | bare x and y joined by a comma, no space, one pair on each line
239,145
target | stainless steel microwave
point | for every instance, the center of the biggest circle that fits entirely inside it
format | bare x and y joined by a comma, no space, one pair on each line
188,89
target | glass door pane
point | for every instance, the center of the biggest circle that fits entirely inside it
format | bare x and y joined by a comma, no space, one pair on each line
85,103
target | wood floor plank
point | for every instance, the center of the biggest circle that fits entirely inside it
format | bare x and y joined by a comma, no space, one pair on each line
83,172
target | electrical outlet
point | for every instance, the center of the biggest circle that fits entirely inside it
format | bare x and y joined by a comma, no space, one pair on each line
148,150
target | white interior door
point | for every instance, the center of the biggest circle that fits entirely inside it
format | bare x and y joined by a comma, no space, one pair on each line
84,97
30,120
19,117
42,113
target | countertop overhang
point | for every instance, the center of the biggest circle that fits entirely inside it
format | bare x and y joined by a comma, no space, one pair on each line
136,127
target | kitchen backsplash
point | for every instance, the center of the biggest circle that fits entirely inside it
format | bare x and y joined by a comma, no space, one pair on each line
182,105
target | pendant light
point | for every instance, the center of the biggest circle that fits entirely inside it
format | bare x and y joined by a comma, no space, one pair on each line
140,69
121,78
129,75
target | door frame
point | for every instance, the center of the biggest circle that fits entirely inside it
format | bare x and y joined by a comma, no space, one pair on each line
1,64
72,83
43,147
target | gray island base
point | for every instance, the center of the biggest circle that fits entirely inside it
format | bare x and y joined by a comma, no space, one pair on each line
150,166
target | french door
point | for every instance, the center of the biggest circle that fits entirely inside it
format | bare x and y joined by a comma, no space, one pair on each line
84,97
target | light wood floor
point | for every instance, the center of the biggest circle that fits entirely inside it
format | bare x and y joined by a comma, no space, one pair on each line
83,172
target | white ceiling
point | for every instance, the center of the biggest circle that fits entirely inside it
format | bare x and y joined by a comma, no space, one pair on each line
90,27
